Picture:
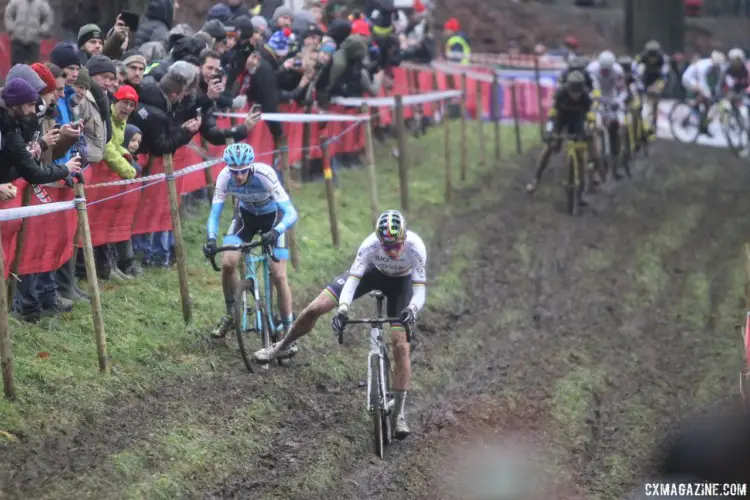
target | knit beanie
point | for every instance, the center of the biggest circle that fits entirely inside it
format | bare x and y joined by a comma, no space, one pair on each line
100,64
133,56
259,23
245,26
63,55
25,72
216,29
130,131
281,11
279,42
83,79
89,32
219,12
18,91
50,85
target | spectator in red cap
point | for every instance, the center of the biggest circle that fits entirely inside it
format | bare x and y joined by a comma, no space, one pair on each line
117,158
53,144
457,47
360,27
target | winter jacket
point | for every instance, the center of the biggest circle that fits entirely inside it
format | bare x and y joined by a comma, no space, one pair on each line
163,134
264,90
16,161
28,20
210,130
114,152
159,19
94,129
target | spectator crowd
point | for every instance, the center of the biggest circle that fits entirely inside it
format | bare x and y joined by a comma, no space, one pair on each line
147,86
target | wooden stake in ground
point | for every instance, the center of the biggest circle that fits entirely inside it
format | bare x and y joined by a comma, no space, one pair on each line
179,242
330,193
370,165
402,173
20,239
464,145
91,278
447,141
516,118
480,117
291,233
497,113
6,346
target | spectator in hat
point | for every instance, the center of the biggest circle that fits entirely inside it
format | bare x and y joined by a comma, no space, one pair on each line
282,18
135,66
27,22
457,47
158,20
250,35
258,84
53,144
90,40
68,59
277,48
218,35
153,52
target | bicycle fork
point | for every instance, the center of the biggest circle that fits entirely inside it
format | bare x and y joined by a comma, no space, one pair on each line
375,342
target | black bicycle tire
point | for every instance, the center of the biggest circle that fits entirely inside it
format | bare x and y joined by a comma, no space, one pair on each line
239,308
671,120
571,188
625,157
388,428
377,413
726,128
245,352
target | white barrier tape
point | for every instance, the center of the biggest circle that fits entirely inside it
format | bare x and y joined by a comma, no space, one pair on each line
390,102
35,210
301,118
453,70
184,171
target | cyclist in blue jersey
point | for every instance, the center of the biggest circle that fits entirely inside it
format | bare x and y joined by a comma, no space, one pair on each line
260,198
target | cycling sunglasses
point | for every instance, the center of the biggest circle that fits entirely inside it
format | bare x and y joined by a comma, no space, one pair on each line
392,247
240,172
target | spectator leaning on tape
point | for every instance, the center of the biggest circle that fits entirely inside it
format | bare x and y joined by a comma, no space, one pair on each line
162,135
258,84
53,144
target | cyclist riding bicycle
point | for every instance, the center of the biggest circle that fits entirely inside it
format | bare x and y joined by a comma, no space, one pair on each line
702,82
735,78
651,68
260,197
392,260
571,112
577,64
611,93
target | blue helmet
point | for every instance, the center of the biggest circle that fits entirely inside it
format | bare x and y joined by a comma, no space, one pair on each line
239,156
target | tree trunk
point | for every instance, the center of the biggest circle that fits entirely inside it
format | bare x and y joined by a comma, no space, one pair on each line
662,20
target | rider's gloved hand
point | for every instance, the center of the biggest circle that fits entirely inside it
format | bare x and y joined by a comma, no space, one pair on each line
269,239
340,319
209,249
409,317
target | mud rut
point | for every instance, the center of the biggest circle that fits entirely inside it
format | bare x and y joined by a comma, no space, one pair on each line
549,295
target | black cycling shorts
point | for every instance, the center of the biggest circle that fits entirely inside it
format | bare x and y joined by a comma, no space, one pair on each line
574,124
245,226
397,289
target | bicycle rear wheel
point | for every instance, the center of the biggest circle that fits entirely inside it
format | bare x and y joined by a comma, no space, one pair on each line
250,331
735,130
377,413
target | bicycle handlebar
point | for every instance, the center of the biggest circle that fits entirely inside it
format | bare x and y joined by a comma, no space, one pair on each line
366,321
244,248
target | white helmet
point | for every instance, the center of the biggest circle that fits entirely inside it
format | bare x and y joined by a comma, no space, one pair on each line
736,54
717,58
606,60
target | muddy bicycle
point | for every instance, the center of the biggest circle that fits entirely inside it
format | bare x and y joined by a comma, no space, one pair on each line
380,399
253,304
576,152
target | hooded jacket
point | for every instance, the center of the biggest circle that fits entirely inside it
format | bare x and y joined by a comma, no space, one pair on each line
345,77
162,133
114,152
28,20
16,161
159,19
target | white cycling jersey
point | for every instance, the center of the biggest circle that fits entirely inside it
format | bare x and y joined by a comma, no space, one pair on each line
702,76
610,84
412,261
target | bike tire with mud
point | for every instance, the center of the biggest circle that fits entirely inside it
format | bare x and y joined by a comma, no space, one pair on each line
733,126
682,112
377,413
625,157
242,300
571,188
387,418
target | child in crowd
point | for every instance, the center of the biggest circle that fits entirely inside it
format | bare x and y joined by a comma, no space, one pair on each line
132,142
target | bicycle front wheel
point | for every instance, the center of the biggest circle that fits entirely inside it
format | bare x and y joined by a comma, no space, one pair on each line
734,126
377,413
250,322
684,121
574,179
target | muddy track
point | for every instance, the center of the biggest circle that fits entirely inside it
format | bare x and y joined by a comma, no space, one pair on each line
550,295
572,316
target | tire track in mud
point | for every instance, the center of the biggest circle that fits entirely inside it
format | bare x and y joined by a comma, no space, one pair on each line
574,314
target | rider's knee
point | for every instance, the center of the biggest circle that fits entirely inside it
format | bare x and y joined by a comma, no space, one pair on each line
229,262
